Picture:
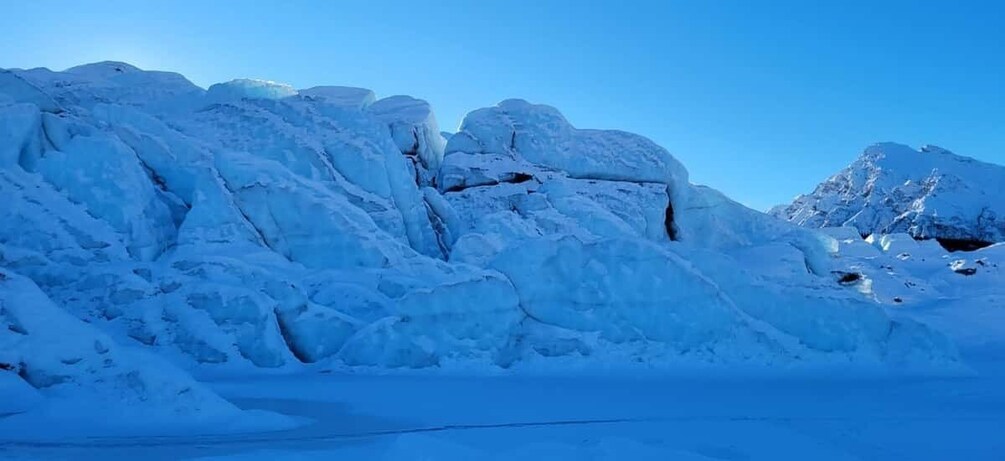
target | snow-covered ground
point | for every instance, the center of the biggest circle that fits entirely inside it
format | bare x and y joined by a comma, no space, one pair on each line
256,270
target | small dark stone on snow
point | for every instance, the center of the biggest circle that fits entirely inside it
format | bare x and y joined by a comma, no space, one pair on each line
520,177
848,278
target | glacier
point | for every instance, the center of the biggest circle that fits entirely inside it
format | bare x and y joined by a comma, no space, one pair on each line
256,228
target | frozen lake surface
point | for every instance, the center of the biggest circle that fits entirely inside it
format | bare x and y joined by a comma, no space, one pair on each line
584,417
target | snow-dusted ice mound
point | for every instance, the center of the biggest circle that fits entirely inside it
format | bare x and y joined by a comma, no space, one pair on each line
927,193
46,350
256,226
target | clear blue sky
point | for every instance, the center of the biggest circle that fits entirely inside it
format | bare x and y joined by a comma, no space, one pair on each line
760,99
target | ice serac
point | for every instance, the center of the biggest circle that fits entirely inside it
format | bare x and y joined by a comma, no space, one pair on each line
526,159
414,130
543,136
929,193
344,150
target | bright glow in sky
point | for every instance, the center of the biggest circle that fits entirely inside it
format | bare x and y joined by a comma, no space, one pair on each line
760,99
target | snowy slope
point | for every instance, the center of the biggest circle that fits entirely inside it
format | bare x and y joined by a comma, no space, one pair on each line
927,193
961,293
257,226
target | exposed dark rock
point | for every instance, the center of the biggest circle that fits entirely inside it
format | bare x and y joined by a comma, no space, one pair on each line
967,271
848,278
519,178
962,244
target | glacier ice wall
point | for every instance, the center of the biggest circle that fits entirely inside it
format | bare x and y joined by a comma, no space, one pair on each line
254,225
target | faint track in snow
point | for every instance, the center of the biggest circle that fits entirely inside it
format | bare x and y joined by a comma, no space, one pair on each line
289,436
